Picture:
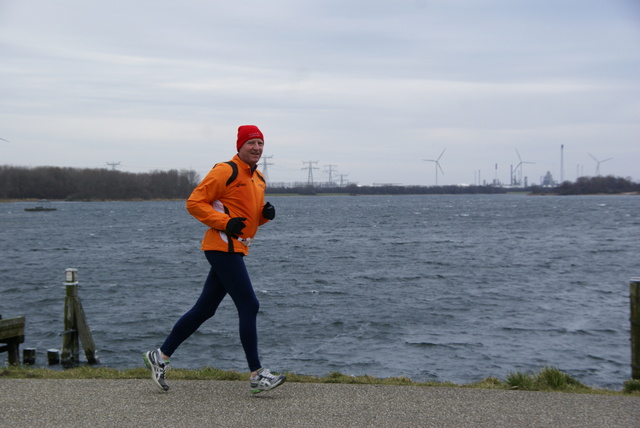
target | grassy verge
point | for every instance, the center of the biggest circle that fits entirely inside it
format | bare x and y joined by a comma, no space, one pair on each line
548,379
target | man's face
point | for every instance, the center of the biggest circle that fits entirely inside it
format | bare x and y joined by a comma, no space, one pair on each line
251,151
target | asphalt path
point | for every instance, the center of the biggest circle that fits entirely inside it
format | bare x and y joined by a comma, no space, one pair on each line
137,403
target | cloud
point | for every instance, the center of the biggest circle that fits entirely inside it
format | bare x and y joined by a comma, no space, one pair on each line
371,87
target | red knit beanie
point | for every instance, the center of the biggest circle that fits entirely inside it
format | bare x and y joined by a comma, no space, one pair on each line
247,132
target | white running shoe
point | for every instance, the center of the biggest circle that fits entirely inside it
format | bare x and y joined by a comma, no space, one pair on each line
265,381
155,363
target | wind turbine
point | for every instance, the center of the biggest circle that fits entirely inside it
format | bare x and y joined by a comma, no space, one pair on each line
598,163
515,171
437,162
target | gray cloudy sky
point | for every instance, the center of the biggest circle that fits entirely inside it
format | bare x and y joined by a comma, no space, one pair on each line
368,89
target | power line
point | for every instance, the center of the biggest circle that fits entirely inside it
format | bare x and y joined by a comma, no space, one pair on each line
330,171
265,173
311,168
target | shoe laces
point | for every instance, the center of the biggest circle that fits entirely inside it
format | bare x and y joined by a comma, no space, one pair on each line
265,373
162,364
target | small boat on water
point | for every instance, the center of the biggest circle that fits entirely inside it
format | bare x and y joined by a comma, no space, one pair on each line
43,205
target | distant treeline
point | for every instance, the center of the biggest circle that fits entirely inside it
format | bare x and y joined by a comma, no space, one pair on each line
590,186
73,184
353,189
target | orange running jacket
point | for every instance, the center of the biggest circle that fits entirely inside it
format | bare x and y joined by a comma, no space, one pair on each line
214,204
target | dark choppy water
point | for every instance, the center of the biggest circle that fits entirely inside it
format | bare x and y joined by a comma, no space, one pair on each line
445,288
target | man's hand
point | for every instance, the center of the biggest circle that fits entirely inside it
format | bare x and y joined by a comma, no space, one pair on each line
268,211
234,226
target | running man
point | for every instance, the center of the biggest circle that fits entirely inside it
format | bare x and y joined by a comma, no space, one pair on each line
230,201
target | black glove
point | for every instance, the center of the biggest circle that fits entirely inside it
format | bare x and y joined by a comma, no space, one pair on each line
235,226
268,211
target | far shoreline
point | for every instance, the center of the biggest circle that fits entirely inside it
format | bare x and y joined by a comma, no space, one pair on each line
329,194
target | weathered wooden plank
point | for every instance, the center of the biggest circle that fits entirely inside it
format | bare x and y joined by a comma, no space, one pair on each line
85,333
12,334
11,328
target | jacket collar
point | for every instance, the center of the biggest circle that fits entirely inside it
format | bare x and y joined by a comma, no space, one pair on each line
242,164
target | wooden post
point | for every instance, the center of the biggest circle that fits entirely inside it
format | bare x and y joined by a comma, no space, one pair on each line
53,355
635,328
70,333
75,325
29,356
